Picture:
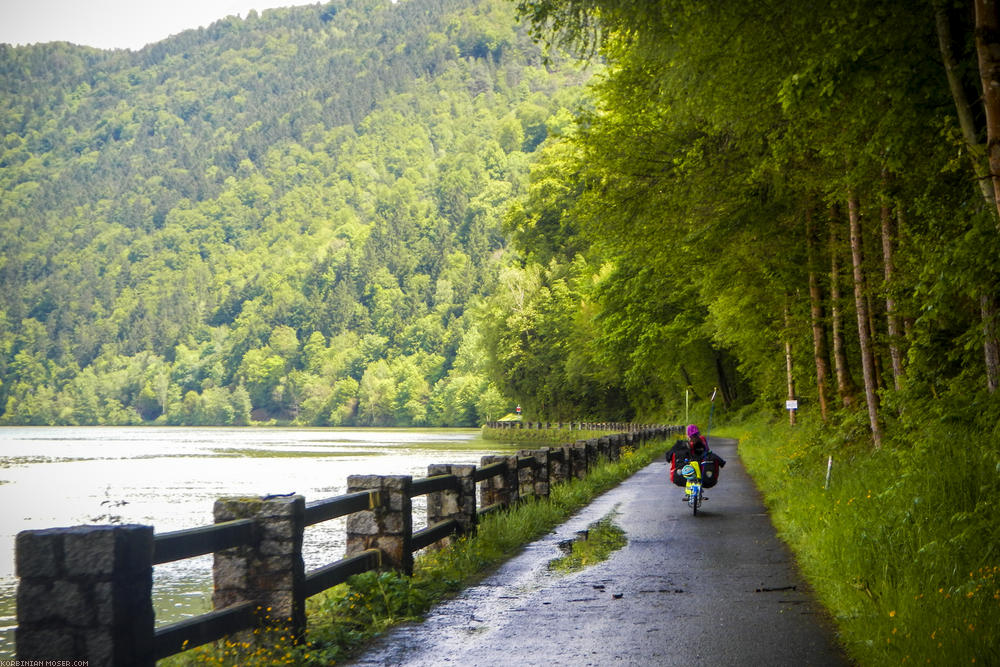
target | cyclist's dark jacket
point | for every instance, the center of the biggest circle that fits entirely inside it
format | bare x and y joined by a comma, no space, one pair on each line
694,449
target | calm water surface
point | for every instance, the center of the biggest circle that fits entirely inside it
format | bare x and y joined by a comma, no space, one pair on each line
170,477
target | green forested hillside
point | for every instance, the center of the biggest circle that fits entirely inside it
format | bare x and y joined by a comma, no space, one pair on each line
287,217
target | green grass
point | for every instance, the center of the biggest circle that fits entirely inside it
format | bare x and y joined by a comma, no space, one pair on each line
903,547
345,618
544,436
602,538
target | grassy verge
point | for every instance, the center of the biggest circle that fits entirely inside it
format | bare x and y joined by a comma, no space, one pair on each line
903,547
345,618
603,538
541,436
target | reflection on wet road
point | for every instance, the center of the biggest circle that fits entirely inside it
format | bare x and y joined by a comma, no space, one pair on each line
716,589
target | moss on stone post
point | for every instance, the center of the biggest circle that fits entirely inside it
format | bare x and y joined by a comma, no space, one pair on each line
269,572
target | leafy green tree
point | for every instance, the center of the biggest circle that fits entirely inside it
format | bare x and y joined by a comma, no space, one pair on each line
345,402
262,373
412,392
215,407
148,404
377,395
454,400
490,404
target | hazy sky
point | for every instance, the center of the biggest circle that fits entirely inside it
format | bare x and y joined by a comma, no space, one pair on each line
116,24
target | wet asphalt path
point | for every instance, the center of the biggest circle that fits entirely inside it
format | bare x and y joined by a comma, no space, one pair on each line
716,589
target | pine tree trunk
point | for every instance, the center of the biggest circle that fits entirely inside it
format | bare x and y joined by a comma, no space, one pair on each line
892,320
818,330
846,387
867,357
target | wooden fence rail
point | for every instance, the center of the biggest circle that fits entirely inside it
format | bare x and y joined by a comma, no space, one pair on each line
191,542
334,508
330,575
422,487
428,536
202,629
85,593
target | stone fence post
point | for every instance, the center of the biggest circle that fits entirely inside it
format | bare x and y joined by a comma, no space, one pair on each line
525,475
559,464
536,477
459,505
578,463
615,446
387,527
603,448
500,489
269,572
590,446
86,595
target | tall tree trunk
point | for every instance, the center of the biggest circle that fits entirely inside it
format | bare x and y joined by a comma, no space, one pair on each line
846,387
966,117
818,329
789,375
985,167
686,377
892,320
873,337
867,357
990,314
724,387
988,51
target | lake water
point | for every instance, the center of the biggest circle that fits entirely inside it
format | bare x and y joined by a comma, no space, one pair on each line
170,477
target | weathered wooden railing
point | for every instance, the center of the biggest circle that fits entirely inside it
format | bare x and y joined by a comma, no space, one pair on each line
85,592
616,427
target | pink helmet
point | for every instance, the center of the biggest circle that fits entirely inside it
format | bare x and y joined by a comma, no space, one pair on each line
692,430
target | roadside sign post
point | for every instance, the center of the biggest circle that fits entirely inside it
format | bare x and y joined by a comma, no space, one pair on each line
791,405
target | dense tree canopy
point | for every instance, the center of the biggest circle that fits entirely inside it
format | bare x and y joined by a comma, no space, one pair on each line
291,216
776,199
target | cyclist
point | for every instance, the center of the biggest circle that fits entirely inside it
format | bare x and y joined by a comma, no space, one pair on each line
695,448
